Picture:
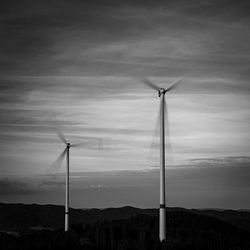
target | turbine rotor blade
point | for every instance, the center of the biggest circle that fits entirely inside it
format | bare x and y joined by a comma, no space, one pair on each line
61,136
58,162
155,143
150,84
56,128
167,132
155,140
174,85
94,143
81,144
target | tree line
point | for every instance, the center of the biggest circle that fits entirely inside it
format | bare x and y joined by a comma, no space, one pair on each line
184,231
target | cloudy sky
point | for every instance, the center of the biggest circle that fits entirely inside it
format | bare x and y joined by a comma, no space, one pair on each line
77,66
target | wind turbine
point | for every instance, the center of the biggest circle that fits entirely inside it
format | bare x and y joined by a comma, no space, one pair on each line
58,163
161,93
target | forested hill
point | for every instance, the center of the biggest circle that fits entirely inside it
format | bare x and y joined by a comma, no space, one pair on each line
18,217
37,227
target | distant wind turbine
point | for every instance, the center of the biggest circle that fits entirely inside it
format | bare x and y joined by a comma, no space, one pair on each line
58,163
161,93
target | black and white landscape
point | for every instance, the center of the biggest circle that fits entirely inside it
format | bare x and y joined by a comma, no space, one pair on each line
106,104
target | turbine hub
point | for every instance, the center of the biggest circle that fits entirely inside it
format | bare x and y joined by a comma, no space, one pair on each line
161,91
68,145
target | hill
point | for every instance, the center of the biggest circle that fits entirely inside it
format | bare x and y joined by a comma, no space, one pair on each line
238,218
22,217
125,228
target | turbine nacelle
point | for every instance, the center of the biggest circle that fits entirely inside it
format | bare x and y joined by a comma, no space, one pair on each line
161,91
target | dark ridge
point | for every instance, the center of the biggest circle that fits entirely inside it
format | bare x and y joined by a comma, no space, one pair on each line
23,217
185,231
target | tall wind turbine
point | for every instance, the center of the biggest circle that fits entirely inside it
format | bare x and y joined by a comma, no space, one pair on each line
58,163
162,213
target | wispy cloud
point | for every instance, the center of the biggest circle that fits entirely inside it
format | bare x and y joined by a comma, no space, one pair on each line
91,38
220,182
204,121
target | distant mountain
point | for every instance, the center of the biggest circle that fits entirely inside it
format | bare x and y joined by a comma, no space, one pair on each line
22,217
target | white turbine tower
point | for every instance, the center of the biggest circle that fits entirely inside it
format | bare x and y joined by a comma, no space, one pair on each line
162,212
58,163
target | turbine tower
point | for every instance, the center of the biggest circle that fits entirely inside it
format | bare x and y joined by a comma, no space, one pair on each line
58,163
66,226
162,211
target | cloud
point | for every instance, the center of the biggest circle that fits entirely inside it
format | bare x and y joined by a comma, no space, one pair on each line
203,119
128,38
212,182
14,186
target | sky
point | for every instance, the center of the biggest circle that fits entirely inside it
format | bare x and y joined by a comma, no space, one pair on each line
77,66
